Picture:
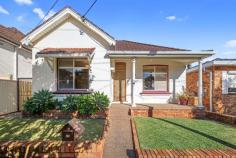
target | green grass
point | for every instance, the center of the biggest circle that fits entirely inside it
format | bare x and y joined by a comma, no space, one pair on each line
39,129
184,134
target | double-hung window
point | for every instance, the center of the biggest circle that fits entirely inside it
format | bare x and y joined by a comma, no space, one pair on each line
231,81
155,78
73,74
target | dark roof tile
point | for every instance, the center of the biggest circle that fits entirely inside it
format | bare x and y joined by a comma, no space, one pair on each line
124,45
11,34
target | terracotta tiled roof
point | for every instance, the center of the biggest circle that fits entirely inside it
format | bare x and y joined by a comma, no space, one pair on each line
11,34
123,45
66,50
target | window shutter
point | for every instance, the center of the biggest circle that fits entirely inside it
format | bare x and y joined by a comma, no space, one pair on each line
224,82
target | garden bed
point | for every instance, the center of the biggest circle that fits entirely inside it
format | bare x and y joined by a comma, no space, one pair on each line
185,137
38,137
221,117
60,114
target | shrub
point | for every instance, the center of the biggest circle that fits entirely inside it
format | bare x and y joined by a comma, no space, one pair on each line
28,105
40,102
58,104
101,100
86,105
70,103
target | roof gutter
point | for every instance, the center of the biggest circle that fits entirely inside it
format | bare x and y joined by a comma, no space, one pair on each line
160,54
214,62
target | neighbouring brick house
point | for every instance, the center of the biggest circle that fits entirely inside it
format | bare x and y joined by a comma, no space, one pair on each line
223,92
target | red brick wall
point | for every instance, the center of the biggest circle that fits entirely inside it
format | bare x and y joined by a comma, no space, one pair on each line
221,103
192,86
167,113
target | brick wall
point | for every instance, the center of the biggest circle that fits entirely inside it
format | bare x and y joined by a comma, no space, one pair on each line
221,103
167,113
192,86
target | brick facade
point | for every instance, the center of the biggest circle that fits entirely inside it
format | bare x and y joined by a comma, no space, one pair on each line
222,103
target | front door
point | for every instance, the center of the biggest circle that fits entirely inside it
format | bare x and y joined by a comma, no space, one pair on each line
120,82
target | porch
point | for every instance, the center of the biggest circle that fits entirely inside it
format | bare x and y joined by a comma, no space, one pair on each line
152,77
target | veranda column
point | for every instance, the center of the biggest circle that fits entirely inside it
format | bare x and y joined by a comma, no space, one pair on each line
133,82
200,91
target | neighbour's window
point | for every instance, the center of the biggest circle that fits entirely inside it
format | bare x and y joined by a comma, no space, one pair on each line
155,78
73,74
232,81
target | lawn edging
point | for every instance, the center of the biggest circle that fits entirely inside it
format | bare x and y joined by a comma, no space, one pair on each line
55,148
177,153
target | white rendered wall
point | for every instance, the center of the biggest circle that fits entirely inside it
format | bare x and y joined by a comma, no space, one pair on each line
6,59
24,64
177,80
68,35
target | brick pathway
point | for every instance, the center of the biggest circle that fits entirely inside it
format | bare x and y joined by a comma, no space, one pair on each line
119,143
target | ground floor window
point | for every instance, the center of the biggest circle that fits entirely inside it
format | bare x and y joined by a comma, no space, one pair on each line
155,78
232,81
73,74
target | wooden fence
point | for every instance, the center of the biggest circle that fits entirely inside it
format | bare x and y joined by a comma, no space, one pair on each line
24,92
13,94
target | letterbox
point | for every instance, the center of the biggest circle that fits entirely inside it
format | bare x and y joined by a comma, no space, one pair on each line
72,130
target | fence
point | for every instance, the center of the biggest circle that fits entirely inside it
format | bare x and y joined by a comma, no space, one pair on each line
13,94
8,96
24,92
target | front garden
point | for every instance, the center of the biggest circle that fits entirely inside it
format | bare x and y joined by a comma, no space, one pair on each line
176,133
39,134
30,129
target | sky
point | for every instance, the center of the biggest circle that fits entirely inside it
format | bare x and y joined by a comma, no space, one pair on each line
190,24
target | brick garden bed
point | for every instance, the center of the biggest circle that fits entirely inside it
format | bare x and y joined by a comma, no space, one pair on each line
60,149
190,153
221,117
59,114
189,112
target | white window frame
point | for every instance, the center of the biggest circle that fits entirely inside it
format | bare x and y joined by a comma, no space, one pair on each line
73,71
155,72
228,74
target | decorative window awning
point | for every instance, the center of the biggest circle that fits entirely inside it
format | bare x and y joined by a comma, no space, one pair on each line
66,52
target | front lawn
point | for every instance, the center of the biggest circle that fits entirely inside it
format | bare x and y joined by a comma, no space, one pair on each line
40,129
173,133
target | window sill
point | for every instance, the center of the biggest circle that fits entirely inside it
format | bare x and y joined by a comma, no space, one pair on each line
79,91
155,93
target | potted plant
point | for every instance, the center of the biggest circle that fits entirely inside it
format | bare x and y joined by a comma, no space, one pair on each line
183,98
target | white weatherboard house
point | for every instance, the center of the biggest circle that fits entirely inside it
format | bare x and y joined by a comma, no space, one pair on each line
71,55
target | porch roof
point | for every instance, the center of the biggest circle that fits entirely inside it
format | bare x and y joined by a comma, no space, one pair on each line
160,54
66,52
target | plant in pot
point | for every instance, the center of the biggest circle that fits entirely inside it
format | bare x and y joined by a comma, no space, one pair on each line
183,98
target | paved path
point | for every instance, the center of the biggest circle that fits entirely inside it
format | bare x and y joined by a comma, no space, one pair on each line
119,143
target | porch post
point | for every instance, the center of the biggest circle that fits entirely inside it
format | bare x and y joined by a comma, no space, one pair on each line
200,91
133,83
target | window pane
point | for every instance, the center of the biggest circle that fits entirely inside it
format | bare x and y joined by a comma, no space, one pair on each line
161,82
81,78
65,62
81,63
148,78
161,69
232,82
65,80
161,77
